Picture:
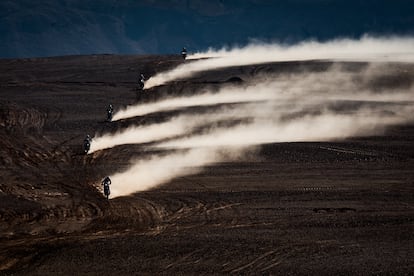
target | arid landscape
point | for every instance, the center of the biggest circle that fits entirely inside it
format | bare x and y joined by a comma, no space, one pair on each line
335,206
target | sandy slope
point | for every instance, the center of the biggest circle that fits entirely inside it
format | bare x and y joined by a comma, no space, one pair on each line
343,207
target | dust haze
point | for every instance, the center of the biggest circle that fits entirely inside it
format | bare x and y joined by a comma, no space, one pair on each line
324,106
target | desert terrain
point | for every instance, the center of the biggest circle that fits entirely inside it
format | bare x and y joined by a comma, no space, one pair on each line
338,207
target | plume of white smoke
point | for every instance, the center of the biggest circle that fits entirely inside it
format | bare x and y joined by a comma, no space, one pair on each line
396,49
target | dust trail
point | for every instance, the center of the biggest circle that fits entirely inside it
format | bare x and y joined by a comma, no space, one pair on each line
157,170
326,126
146,174
396,49
225,95
140,134
178,125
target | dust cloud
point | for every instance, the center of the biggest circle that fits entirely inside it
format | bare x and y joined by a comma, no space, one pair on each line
149,173
176,126
315,106
268,90
395,49
323,127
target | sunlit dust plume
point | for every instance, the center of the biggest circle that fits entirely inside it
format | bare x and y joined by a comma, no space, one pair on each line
253,93
323,127
149,173
151,133
398,49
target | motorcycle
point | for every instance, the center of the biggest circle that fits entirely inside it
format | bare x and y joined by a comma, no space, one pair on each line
109,113
184,53
86,146
106,182
107,191
141,83
109,116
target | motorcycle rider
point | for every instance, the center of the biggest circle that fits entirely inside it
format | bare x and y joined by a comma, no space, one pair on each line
87,143
184,52
141,82
109,112
106,182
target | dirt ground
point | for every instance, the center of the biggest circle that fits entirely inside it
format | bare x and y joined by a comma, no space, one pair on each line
343,207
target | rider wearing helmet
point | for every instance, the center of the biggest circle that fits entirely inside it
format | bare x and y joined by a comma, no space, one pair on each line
141,82
109,112
87,143
184,52
106,182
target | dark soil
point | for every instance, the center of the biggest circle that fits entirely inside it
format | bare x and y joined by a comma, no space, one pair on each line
339,208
